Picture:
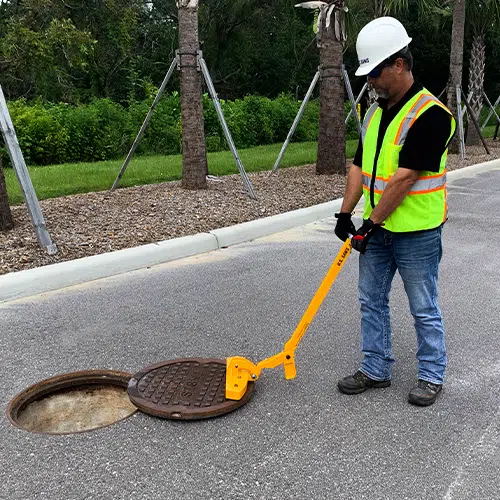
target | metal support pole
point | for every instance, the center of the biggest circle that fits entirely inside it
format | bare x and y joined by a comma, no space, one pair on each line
464,109
474,121
492,110
347,84
145,123
225,128
296,121
460,116
365,86
23,176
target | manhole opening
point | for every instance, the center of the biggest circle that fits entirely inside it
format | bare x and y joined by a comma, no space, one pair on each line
73,402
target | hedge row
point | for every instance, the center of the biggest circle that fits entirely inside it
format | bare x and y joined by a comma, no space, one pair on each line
102,130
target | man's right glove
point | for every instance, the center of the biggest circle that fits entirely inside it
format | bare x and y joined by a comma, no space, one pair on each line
344,227
363,234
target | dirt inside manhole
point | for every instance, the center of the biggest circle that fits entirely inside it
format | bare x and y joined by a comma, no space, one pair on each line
63,405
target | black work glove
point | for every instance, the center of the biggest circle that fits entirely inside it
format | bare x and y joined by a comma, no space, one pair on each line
344,227
363,234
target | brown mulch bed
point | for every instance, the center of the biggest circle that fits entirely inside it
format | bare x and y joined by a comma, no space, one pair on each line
94,223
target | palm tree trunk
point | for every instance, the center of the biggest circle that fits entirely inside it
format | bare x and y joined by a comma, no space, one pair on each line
331,138
6,221
194,154
476,85
456,62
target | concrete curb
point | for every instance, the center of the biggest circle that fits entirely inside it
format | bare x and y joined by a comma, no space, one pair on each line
259,228
55,276
73,272
473,170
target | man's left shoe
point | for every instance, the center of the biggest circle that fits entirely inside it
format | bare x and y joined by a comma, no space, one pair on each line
424,393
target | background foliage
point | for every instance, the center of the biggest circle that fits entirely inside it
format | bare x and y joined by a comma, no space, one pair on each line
80,74
76,50
102,129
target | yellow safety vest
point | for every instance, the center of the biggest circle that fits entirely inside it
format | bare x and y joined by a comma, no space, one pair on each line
425,205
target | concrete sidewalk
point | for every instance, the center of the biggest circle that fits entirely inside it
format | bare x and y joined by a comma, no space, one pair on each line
56,276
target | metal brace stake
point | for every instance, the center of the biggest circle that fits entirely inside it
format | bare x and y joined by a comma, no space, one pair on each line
225,128
23,176
146,122
296,121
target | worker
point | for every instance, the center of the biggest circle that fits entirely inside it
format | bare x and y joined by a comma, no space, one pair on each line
400,168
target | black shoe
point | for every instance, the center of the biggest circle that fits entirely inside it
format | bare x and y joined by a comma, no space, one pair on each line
359,382
424,393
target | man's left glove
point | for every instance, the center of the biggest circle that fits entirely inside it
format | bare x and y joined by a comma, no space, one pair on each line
363,234
344,227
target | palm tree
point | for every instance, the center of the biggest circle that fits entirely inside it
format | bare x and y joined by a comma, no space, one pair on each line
331,138
481,15
456,61
6,221
194,154
330,39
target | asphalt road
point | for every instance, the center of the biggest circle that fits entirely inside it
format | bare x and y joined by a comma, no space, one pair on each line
295,439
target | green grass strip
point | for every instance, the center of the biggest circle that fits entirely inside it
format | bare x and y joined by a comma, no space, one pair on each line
71,178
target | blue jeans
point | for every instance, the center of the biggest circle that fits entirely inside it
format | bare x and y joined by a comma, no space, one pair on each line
416,256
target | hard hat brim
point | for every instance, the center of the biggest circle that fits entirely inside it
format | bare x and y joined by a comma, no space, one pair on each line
364,69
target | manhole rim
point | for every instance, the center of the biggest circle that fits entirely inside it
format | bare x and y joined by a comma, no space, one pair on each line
151,408
63,381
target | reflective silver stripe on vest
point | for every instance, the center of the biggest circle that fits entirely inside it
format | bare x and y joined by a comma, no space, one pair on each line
379,184
407,122
421,185
429,184
366,121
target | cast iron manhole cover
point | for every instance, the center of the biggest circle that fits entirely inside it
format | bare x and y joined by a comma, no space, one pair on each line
184,389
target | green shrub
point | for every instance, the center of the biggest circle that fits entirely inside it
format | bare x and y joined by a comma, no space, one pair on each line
283,110
41,137
164,132
96,131
307,129
112,118
351,130
103,130
233,114
215,143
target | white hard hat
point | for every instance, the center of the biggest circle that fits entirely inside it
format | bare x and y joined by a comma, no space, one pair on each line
378,40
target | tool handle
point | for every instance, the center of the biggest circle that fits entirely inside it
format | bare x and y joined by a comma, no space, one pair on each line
319,296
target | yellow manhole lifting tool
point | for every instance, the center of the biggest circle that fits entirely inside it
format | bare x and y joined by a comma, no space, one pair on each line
240,371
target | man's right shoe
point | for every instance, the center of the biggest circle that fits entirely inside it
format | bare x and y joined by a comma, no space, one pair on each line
424,393
359,382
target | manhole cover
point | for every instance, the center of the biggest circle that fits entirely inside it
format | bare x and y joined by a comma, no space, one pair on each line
73,402
184,389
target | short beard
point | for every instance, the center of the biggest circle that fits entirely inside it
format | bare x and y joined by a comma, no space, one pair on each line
384,94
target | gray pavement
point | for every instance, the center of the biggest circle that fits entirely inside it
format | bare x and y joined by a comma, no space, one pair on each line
295,439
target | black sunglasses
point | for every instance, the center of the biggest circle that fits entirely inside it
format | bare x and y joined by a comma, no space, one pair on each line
377,70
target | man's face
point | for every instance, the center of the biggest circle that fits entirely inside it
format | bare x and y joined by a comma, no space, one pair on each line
383,82
385,78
